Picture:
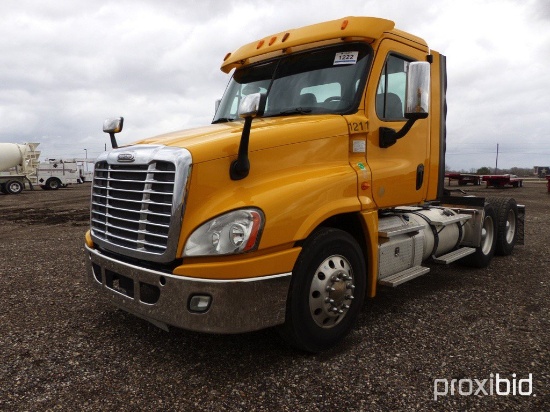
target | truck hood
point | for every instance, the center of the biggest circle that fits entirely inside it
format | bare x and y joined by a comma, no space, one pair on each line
222,140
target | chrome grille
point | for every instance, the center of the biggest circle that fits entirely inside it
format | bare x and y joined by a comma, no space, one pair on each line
137,207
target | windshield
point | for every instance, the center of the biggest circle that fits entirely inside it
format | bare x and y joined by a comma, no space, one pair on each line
326,80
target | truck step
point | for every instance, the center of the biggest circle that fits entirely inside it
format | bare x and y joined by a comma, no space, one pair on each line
458,218
454,255
404,276
399,230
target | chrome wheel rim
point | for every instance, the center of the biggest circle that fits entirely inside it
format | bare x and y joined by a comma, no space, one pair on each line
487,235
331,291
510,226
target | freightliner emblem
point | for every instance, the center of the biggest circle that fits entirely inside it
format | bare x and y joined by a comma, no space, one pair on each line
126,157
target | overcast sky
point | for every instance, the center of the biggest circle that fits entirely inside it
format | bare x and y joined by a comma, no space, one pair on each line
67,65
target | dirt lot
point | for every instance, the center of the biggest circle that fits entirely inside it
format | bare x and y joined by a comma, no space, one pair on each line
63,348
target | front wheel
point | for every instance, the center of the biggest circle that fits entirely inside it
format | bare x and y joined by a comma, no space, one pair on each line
327,291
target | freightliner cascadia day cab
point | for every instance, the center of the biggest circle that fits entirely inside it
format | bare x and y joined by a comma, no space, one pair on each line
319,180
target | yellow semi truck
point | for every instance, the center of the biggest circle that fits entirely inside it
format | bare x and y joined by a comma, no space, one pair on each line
319,180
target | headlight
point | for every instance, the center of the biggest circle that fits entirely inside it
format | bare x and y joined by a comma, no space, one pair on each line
234,232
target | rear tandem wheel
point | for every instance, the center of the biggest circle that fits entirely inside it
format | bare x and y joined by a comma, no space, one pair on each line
486,250
53,183
506,210
14,187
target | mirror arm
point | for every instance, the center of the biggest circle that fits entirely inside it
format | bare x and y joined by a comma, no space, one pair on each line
114,143
388,136
241,166
113,126
253,105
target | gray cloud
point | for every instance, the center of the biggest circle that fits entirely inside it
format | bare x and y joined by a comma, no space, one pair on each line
541,9
68,65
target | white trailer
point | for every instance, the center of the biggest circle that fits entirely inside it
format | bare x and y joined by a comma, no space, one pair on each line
18,164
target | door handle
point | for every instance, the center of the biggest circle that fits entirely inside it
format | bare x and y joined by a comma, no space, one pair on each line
419,176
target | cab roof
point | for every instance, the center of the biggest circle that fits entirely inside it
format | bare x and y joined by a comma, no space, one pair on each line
366,28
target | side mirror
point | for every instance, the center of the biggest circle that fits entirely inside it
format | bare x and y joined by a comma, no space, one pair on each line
113,126
251,106
417,103
417,97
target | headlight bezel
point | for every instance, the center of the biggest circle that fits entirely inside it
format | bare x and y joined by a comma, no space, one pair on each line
234,232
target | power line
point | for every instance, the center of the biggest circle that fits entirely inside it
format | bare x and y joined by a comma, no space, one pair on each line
500,152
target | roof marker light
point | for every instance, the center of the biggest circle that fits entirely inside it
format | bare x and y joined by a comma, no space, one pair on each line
344,25
260,44
272,40
226,56
285,37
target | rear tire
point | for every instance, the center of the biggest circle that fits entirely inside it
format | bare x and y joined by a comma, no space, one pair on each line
14,187
327,291
486,250
53,183
507,213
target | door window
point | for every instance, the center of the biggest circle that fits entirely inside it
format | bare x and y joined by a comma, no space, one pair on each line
390,95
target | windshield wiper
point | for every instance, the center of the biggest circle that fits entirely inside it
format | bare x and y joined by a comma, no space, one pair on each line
223,120
296,110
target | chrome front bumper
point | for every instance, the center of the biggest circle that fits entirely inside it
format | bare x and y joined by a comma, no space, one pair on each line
163,299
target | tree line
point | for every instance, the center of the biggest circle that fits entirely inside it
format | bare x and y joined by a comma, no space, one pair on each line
485,170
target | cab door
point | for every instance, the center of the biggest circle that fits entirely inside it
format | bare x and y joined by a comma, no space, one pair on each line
398,170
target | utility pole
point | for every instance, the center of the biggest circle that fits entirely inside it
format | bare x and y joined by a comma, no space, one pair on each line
496,164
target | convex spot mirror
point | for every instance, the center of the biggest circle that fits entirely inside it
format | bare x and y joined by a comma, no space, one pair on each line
252,105
113,125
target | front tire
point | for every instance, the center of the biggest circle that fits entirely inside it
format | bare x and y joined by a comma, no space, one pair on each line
327,291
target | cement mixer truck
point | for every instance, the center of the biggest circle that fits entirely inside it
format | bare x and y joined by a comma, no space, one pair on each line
17,164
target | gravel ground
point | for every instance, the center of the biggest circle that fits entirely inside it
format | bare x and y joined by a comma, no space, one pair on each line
62,347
